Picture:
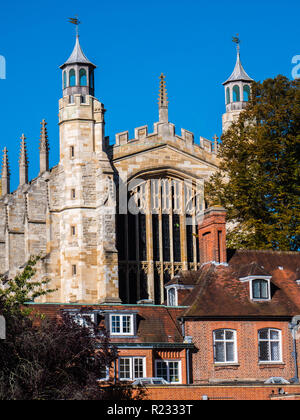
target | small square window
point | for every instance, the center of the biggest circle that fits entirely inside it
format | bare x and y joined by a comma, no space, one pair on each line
121,324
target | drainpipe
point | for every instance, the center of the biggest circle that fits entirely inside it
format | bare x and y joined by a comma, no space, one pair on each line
293,326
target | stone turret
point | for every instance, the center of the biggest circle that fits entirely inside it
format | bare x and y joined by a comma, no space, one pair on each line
23,162
237,91
5,176
78,74
44,148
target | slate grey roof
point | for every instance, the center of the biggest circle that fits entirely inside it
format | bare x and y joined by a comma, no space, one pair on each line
239,73
77,56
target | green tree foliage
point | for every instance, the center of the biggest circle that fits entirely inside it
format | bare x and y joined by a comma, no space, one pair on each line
22,288
258,182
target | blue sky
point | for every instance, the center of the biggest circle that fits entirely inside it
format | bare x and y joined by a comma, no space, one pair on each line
132,42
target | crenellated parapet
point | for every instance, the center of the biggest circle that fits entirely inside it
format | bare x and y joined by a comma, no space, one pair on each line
144,137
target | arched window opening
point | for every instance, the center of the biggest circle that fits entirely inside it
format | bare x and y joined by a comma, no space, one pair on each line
65,79
82,77
246,91
91,79
269,345
236,93
227,96
72,78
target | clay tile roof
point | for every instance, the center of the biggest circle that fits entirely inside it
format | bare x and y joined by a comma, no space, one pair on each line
220,293
155,324
252,269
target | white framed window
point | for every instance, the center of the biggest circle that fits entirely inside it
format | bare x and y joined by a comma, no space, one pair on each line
131,368
269,346
170,370
172,297
225,346
260,289
121,324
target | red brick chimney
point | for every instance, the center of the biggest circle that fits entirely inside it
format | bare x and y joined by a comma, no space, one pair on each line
212,236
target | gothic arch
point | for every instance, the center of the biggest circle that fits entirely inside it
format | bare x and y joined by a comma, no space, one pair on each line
158,234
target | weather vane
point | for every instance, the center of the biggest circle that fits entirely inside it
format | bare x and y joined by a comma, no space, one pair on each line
237,41
75,21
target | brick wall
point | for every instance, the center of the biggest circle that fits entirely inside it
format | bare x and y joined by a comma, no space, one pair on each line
242,392
205,370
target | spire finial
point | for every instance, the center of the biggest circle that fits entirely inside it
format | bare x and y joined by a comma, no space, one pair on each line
163,100
23,151
23,162
44,148
5,175
163,96
44,144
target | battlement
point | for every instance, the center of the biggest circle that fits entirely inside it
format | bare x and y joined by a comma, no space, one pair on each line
142,133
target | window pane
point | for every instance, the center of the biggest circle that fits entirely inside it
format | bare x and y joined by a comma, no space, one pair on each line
230,352
220,353
263,334
72,78
138,368
125,369
264,289
256,289
115,324
172,297
274,335
275,352
126,324
219,335
229,335
264,351
174,372
162,370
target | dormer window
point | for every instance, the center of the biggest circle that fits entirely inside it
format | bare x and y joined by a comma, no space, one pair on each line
260,289
121,324
259,286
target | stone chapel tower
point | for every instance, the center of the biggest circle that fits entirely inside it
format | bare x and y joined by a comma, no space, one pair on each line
237,92
86,213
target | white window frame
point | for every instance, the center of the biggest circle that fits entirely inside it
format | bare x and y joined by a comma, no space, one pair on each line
175,296
234,340
121,333
250,279
167,361
131,367
269,340
176,287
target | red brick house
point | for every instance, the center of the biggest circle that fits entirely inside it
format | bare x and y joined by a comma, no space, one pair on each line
148,337
240,310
